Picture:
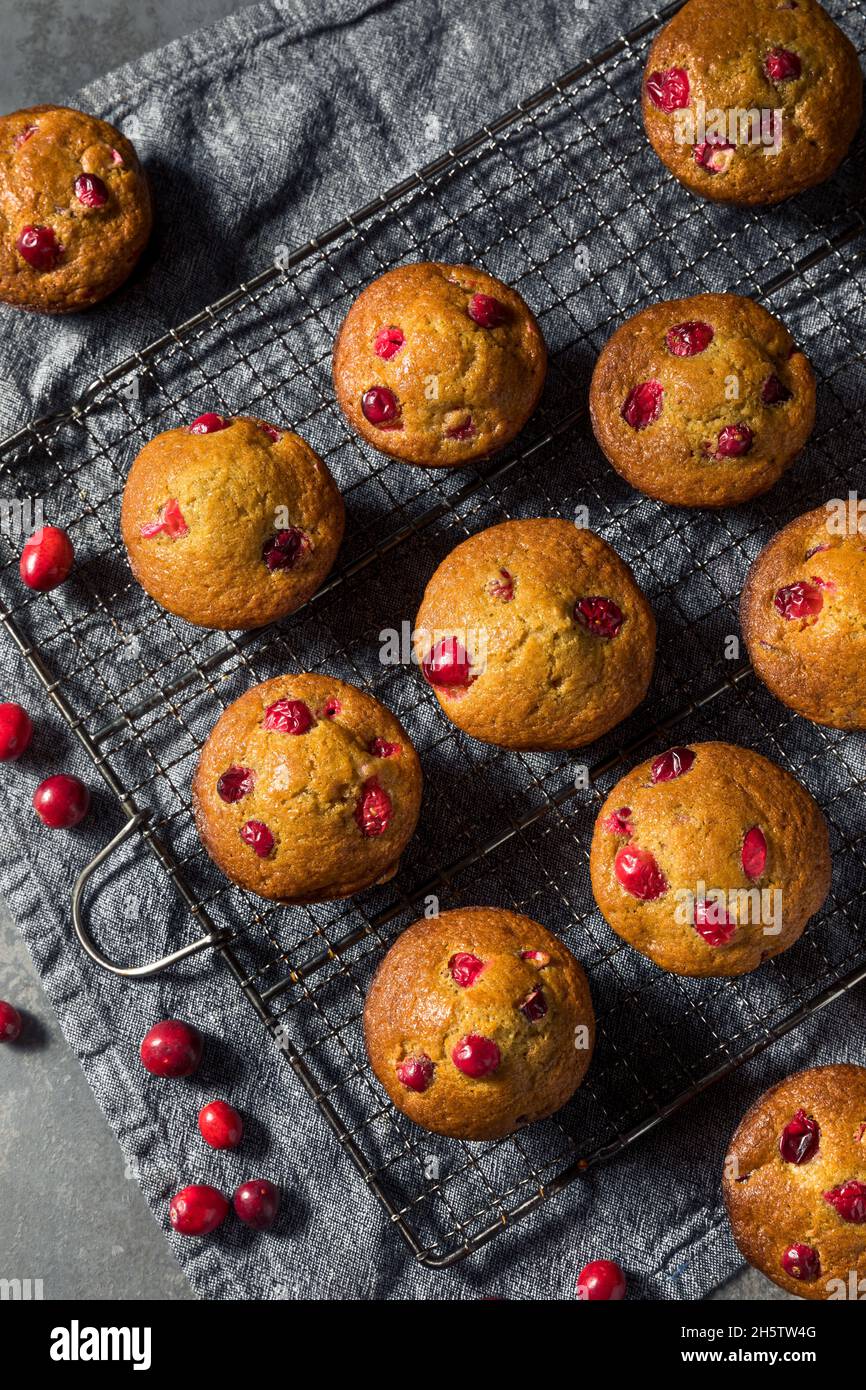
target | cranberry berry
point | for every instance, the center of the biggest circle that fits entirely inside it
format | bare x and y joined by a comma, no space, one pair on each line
849,1200
256,1203
46,560
11,1022
448,664
220,1125
669,91
90,191
39,247
171,1048
486,311
61,801
476,1056
208,423
601,1281
672,764
197,1210
415,1073
802,1262
16,731
800,1139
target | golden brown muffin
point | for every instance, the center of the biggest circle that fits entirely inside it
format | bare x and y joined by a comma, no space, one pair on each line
307,789
751,103
709,859
662,407
479,1021
439,364
803,614
534,634
230,523
795,1183
75,209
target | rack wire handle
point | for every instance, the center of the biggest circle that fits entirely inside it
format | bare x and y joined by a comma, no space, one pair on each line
130,972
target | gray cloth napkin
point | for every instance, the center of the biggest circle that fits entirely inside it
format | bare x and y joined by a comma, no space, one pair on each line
258,133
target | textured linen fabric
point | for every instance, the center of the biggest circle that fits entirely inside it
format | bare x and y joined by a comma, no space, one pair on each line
256,133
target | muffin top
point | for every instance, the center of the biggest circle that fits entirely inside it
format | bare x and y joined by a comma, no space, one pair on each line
795,1183
782,95
74,209
439,364
709,859
307,789
479,1021
230,523
534,634
803,614
702,402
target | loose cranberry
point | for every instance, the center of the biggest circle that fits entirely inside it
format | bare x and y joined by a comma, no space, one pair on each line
638,873
373,811
379,406
486,311
16,731
464,431
773,392
447,663
11,1022
208,423
169,521
503,587
753,855
331,708
849,1201
802,1262
734,441
287,717
689,338
601,1281
256,1203
465,968
537,958
91,191
39,247
672,764
476,1056
235,783
800,600
713,155
800,1139
781,65
283,549
381,748
712,922
415,1073
47,559
197,1210
599,616
534,1006
258,837
220,1124
388,341
669,91
171,1048
643,404
618,823
61,801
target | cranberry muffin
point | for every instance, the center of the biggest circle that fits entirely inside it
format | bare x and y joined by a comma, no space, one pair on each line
307,789
803,615
751,103
709,859
795,1183
479,1021
534,634
75,209
661,407
230,523
439,364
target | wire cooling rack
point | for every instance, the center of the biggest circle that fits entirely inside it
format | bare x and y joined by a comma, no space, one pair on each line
563,198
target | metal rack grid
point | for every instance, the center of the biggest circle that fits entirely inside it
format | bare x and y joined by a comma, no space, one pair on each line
589,227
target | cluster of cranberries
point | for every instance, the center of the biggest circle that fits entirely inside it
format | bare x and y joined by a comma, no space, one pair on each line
173,1049
799,1143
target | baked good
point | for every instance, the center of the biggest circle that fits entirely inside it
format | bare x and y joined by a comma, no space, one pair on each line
307,789
709,859
803,615
751,102
534,634
438,364
479,1021
75,209
795,1183
661,404
230,523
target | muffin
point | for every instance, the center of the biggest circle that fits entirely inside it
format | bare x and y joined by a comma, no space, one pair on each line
74,209
230,523
438,365
534,635
479,1021
661,409
795,1183
306,790
803,615
709,859
751,103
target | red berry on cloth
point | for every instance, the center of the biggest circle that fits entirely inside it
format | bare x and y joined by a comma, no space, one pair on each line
171,1048
16,731
256,1203
11,1022
46,559
220,1125
601,1281
61,801
197,1210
